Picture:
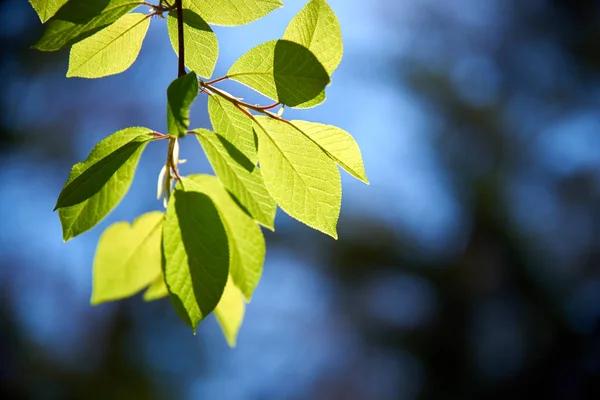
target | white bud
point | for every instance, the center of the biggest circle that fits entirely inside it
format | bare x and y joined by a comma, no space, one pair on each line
160,184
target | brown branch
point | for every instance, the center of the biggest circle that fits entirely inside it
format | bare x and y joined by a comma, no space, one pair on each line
180,38
239,103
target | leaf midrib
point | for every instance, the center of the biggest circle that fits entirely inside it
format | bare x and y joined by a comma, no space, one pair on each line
232,76
343,164
235,176
288,161
111,42
158,223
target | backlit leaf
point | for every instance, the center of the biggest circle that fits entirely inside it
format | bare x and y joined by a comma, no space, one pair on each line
317,28
128,258
303,180
242,178
246,242
79,19
111,50
199,40
231,12
281,70
315,101
233,125
96,185
181,93
196,254
230,312
338,143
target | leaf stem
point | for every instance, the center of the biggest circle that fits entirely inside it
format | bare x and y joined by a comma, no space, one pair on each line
239,103
159,136
217,80
181,53
270,106
171,164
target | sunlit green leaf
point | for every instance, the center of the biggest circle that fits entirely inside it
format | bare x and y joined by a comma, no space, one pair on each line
79,19
128,258
303,180
315,101
196,254
242,178
111,50
46,8
230,312
317,28
96,185
181,93
246,242
233,125
338,143
199,40
281,70
232,12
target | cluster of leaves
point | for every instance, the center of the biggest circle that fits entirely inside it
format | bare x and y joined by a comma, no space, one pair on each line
207,250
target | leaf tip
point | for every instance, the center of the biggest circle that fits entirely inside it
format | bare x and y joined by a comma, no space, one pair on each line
270,227
333,233
94,301
68,233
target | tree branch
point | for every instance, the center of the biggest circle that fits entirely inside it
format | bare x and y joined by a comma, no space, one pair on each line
239,103
180,38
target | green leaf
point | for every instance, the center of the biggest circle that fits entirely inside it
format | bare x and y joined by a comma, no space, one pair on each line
315,101
157,289
96,185
196,254
111,50
79,19
281,70
242,178
46,8
128,258
98,172
181,93
338,143
246,241
302,179
232,12
317,28
199,40
233,125
230,312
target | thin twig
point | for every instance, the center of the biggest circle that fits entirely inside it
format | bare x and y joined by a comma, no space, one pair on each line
270,106
180,38
171,162
240,103
217,80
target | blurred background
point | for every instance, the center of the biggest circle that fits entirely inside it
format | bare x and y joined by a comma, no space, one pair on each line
468,269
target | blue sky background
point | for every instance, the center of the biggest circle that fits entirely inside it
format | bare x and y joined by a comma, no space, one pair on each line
294,337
